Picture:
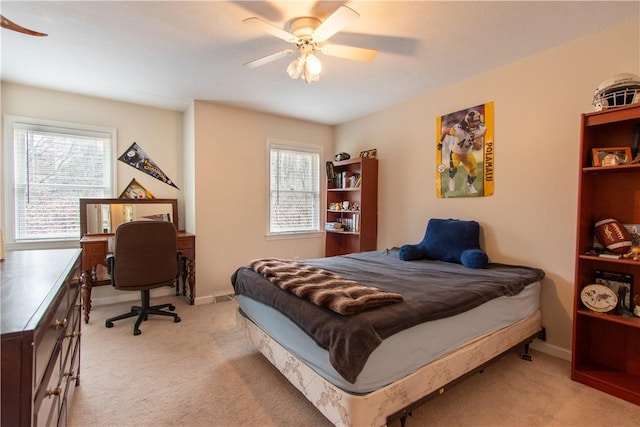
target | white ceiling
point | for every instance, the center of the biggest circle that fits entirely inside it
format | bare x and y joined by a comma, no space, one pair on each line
166,53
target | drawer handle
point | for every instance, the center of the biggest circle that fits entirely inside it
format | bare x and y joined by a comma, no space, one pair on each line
61,323
55,392
73,334
70,374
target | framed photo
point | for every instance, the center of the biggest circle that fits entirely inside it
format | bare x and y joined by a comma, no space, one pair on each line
370,154
621,284
611,156
135,190
331,173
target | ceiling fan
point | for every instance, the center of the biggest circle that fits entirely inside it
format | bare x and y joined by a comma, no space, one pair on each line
310,35
10,25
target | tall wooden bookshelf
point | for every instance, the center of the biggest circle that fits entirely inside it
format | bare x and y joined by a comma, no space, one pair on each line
606,346
352,201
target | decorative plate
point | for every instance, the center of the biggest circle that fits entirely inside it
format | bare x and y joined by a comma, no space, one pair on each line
599,298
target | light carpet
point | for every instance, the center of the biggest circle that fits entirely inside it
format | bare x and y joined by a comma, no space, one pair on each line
203,372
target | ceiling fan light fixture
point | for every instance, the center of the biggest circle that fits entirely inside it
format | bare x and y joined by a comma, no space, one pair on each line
295,68
309,34
310,77
313,64
306,65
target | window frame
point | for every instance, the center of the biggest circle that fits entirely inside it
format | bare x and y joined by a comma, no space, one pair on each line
273,143
8,187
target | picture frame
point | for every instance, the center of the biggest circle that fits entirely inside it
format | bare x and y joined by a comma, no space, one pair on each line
331,173
369,154
135,190
611,156
621,284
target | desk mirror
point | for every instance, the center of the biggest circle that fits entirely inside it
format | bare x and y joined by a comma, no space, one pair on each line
103,216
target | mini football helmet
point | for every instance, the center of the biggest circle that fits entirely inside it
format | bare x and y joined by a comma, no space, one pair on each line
617,91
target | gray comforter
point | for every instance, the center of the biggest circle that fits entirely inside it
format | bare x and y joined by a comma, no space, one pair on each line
431,290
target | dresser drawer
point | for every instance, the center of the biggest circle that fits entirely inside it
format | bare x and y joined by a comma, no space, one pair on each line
47,339
93,253
187,245
70,378
48,396
70,341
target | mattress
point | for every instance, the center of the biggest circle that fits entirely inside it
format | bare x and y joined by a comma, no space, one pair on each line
405,352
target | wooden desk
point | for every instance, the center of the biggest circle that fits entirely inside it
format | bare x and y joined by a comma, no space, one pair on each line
95,248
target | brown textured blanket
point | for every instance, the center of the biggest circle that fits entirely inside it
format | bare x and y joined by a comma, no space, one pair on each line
322,287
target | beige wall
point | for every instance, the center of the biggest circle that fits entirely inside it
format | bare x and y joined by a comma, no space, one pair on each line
157,131
231,190
531,218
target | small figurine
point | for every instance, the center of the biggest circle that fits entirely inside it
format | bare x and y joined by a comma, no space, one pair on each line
633,254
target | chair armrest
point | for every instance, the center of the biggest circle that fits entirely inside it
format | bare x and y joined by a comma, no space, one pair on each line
110,261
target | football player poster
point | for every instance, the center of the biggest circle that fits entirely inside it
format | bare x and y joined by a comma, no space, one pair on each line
465,153
134,156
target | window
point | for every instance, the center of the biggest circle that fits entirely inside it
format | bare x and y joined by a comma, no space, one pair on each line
48,167
294,187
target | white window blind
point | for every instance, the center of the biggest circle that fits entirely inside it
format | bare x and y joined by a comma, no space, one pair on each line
53,167
294,197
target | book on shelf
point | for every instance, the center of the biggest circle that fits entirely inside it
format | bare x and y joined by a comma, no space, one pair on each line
333,226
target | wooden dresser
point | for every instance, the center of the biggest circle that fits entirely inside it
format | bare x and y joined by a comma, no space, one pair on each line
40,335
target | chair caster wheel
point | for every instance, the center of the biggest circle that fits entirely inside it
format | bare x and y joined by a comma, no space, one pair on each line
108,324
176,319
137,332
172,307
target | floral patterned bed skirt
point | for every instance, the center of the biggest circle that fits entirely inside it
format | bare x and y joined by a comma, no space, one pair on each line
372,409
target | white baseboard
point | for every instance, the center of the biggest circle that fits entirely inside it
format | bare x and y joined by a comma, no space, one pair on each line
552,350
128,296
207,299
110,296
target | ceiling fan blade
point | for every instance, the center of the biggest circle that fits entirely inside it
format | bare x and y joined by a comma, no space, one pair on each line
10,25
269,58
268,28
349,52
338,20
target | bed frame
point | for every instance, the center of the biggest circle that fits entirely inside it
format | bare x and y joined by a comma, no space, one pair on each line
396,400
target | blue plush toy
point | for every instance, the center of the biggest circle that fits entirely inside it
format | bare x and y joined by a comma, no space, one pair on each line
449,240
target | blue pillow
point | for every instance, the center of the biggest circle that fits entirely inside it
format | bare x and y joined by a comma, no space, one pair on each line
412,252
449,240
474,258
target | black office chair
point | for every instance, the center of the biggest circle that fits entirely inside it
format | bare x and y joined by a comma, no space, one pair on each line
145,257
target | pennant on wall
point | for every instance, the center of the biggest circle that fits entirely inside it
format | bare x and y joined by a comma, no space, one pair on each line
135,190
136,157
464,155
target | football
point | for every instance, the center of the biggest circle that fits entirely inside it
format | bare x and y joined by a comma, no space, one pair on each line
613,235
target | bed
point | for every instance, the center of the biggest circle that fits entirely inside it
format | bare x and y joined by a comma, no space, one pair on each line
426,323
